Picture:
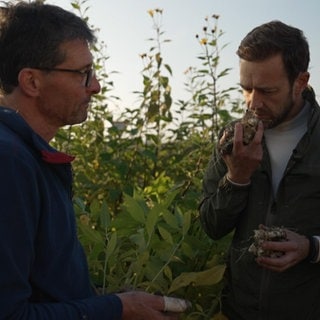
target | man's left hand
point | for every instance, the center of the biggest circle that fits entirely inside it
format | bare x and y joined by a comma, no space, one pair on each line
294,251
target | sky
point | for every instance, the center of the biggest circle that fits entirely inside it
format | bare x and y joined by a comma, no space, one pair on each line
125,25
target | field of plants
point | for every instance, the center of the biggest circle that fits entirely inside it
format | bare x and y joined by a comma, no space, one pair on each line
137,178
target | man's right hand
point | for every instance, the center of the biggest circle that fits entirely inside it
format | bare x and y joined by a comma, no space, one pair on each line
138,305
244,159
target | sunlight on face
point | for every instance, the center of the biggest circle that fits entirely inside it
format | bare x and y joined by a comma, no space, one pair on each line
267,91
65,99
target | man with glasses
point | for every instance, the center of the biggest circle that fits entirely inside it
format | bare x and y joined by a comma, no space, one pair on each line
47,81
87,74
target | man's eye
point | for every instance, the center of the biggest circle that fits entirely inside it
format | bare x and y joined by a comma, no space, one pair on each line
269,92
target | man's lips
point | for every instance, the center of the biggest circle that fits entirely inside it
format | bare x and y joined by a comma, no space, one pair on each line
262,117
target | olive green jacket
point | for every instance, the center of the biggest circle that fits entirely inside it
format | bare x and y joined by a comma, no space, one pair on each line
251,292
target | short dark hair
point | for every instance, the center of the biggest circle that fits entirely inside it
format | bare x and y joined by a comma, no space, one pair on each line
31,35
273,38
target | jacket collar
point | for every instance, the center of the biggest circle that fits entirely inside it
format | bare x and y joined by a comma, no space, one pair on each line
17,124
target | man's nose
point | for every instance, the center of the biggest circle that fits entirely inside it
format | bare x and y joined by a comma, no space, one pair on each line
95,86
255,100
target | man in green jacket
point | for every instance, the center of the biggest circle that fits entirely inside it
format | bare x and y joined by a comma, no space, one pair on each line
274,181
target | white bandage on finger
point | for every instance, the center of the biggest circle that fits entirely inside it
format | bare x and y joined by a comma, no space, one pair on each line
175,304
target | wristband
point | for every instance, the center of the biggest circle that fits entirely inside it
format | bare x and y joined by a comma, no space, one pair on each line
238,184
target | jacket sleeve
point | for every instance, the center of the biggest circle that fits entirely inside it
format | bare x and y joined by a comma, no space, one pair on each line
222,202
19,221
107,307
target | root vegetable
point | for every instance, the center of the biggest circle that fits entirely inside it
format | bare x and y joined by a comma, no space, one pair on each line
249,124
267,234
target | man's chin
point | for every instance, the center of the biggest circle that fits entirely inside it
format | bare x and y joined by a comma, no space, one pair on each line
78,120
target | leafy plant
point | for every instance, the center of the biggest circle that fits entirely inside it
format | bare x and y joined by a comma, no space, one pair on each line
155,246
137,179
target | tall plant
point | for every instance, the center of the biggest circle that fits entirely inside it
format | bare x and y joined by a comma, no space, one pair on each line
138,183
210,105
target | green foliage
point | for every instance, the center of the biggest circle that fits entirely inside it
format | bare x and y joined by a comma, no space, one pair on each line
210,106
152,245
137,179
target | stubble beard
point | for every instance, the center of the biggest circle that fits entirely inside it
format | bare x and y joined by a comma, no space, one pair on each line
281,117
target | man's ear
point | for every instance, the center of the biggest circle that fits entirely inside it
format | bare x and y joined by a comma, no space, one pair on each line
29,80
301,82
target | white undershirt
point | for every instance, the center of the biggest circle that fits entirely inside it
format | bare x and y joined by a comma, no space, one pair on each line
282,140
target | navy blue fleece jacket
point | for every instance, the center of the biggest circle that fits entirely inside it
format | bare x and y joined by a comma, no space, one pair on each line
43,269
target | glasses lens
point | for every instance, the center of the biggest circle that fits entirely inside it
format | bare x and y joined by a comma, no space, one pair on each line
90,75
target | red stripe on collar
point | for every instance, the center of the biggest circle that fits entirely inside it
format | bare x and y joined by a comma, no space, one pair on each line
56,157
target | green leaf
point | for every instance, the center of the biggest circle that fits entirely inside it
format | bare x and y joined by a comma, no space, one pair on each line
186,222
158,59
75,5
170,196
168,273
139,240
168,68
204,278
170,219
104,215
165,235
112,243
95,209
152,218
90,235
135,209
164,81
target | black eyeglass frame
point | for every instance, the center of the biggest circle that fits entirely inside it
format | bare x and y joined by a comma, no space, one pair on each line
90,73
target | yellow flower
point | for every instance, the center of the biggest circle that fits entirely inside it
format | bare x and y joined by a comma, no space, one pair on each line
95,164
204,41
151,13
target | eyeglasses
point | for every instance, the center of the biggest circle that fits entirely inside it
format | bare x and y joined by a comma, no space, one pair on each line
89,74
